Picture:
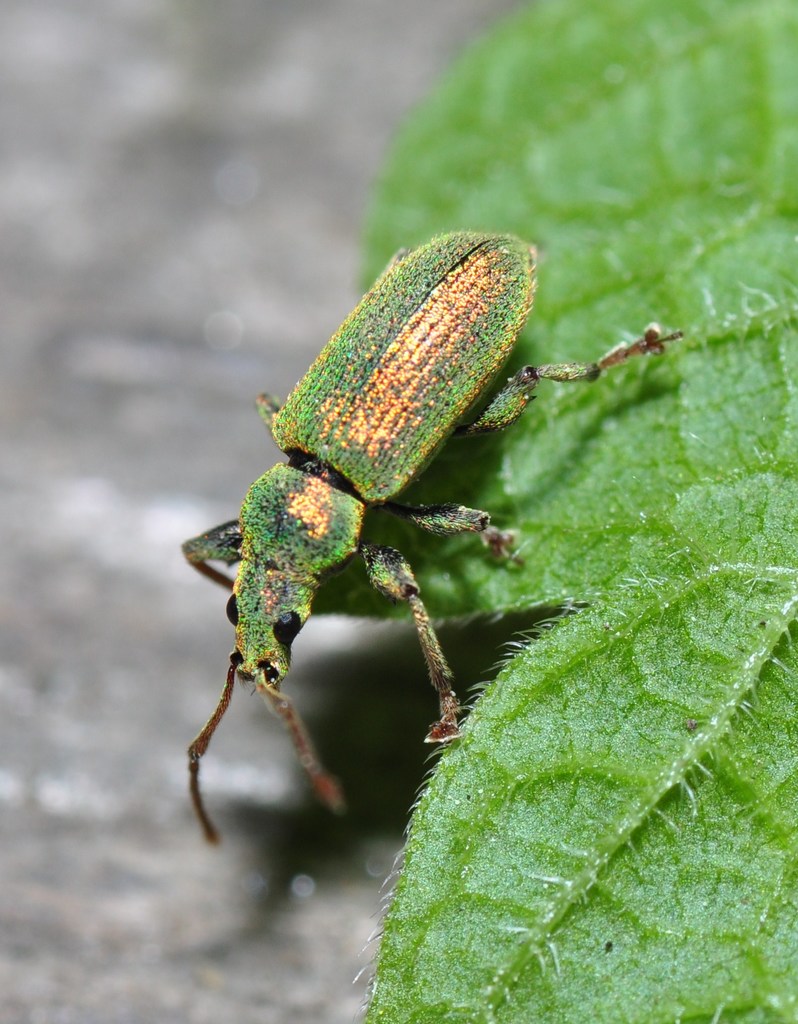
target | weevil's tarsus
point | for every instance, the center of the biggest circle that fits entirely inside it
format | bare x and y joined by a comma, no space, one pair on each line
440,675
651,342
200,745
390,574
501,544
510,402
325,785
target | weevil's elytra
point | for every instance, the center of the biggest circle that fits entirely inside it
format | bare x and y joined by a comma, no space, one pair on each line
393,384
410,361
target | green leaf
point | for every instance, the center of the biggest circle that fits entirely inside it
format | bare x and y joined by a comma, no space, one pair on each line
615,836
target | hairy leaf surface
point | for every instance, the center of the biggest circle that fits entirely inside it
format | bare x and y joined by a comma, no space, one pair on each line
615,838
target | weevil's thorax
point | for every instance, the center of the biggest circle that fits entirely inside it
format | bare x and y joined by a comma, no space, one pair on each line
297,528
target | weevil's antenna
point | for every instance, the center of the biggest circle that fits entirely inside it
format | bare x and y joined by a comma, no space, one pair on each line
200,745
326,786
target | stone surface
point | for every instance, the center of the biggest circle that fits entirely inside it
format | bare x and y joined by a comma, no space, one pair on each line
181,193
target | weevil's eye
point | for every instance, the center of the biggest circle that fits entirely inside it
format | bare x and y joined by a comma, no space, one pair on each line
287,627
271,673
232,610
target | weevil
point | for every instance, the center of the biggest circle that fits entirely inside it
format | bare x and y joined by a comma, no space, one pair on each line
411,366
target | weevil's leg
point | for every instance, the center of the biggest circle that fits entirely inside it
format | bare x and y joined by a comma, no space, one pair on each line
651,342
268,406
390,573
505,407
514,397
326,786
222,544
442,520
200,745
447,519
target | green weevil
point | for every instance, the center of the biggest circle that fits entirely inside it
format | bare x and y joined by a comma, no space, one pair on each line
408,368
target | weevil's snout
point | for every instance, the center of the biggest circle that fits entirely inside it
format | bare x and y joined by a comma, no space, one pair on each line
249,671
265,671
269,673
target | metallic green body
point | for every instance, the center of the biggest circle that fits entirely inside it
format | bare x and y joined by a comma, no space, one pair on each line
409,362
400,376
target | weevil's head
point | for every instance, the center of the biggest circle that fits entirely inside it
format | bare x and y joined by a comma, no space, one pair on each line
268,611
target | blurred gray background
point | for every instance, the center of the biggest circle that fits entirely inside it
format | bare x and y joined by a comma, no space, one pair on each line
182,189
